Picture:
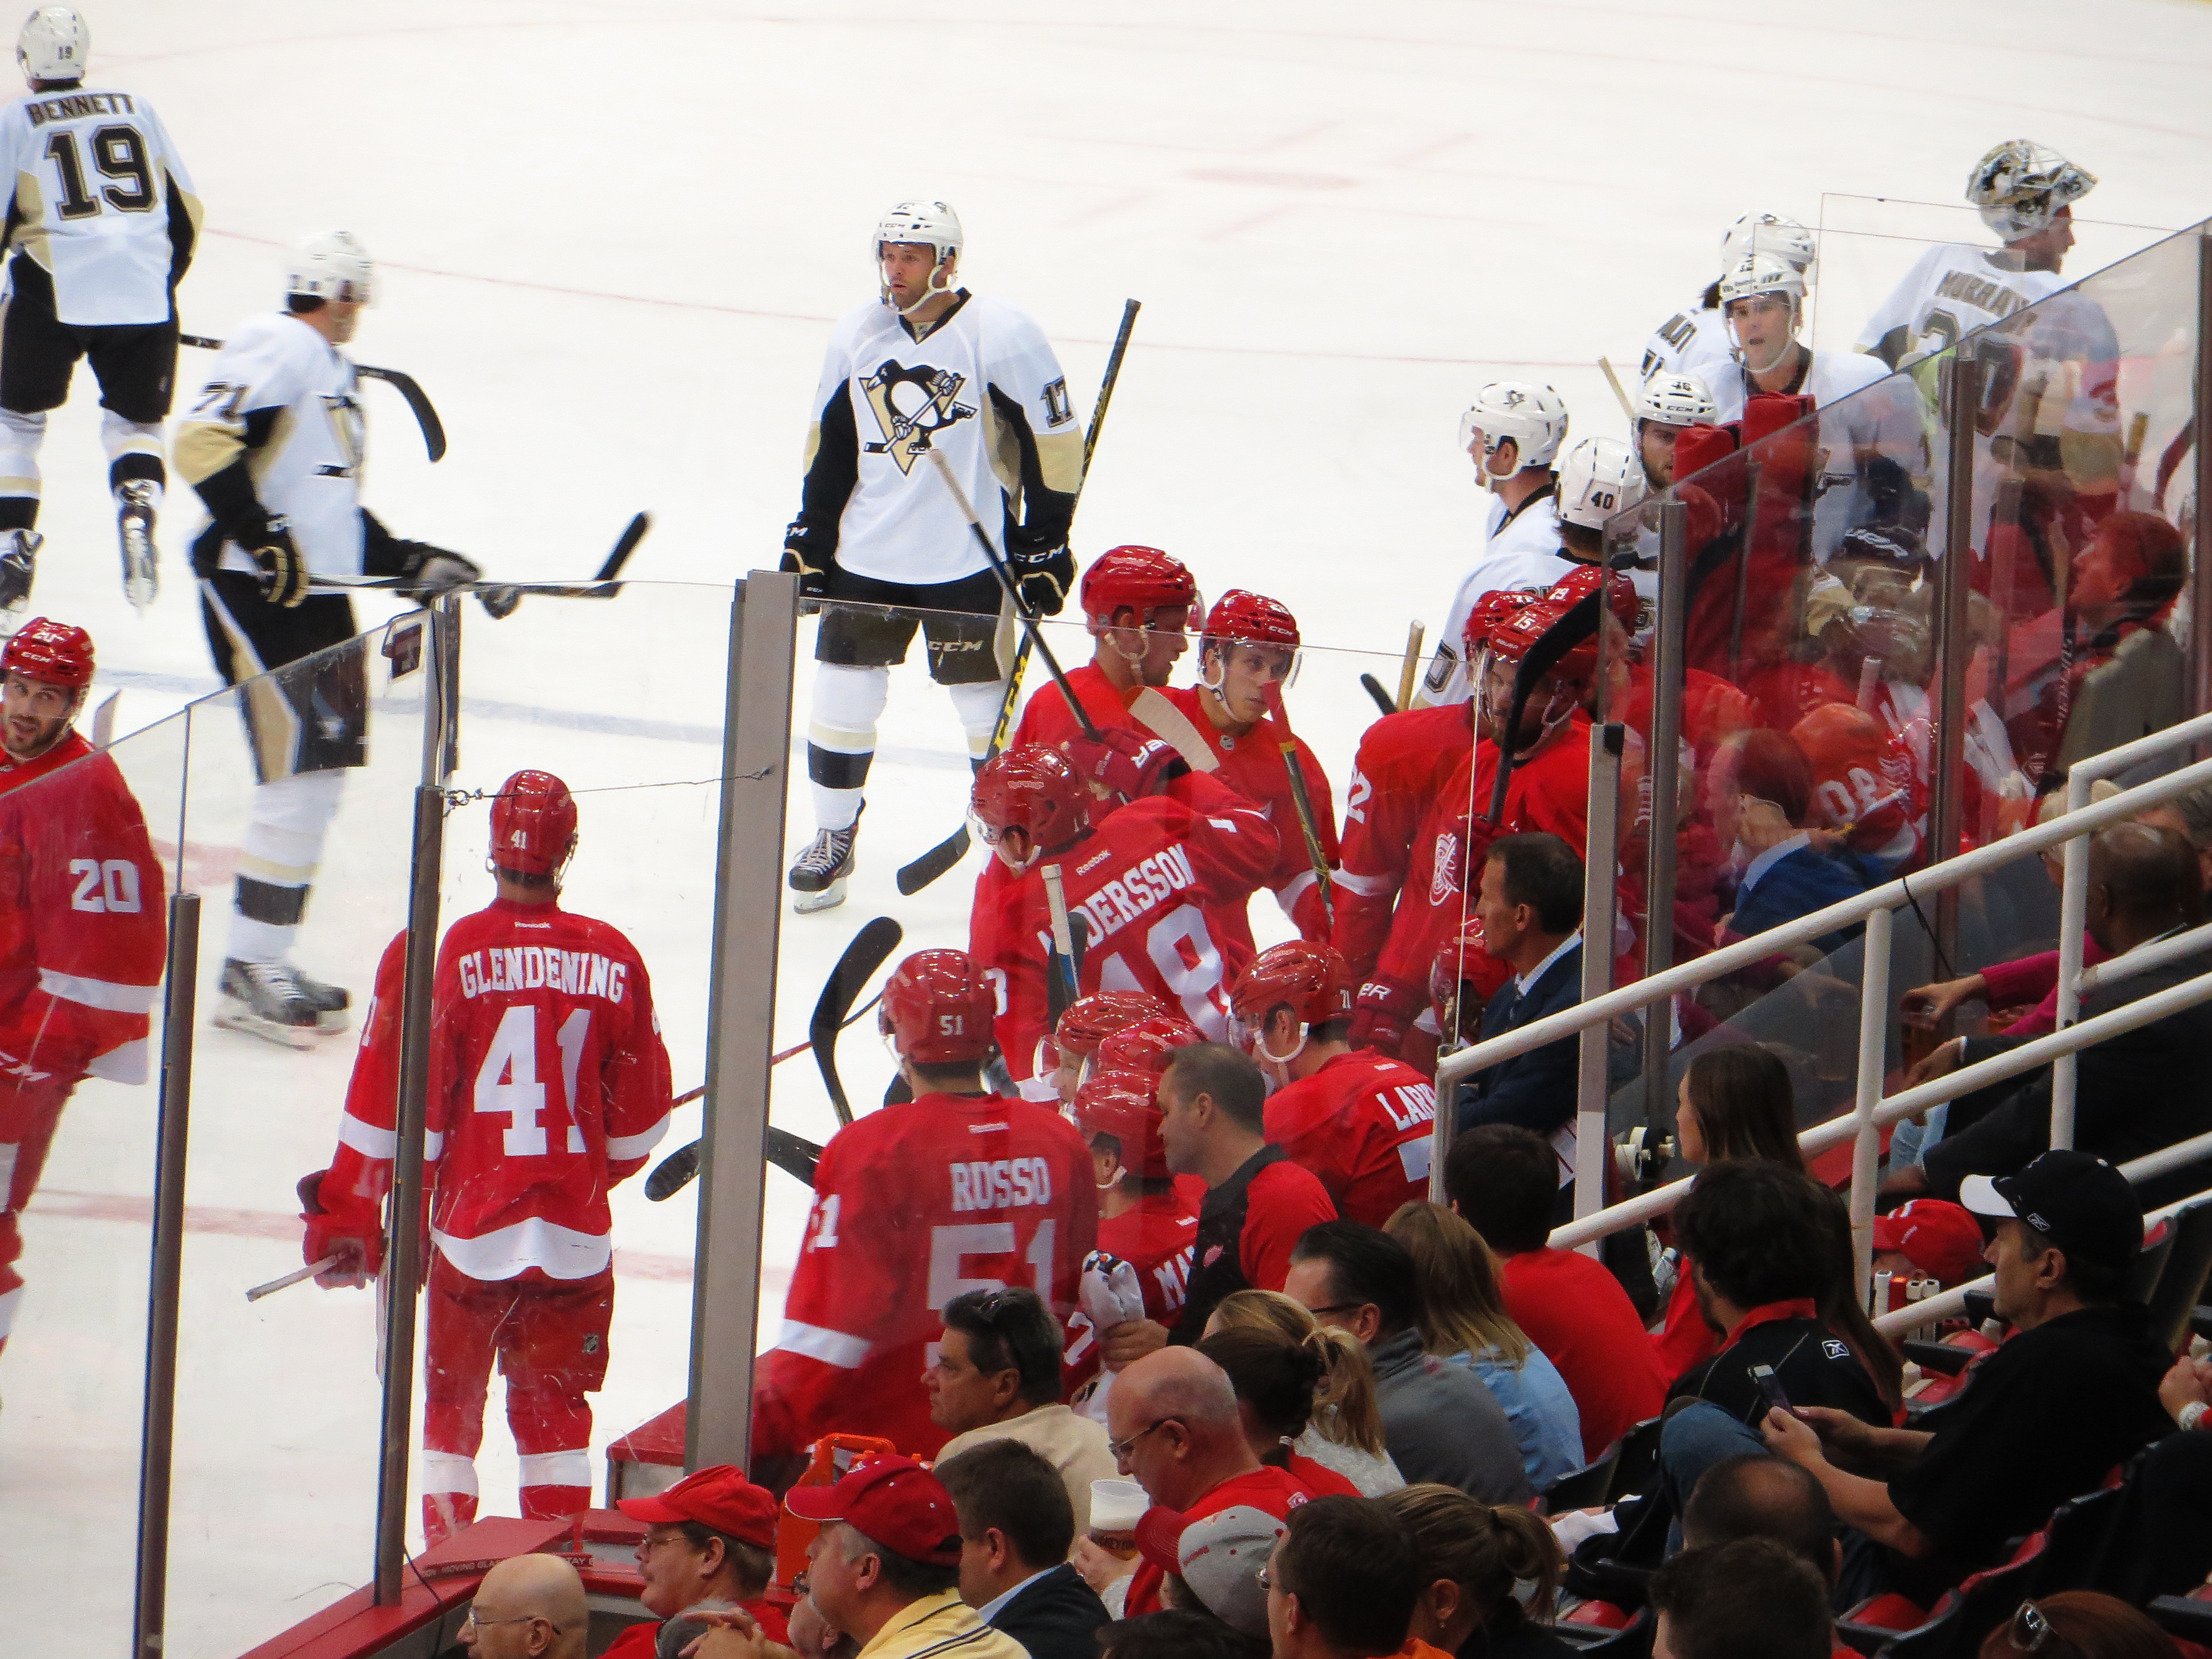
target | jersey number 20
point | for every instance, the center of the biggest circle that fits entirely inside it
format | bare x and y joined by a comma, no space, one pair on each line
119,153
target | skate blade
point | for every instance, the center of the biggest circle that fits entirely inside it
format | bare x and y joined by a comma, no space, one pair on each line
251,1024
142,592
332,1019
829,898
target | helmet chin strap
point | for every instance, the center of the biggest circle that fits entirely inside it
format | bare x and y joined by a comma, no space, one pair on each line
1789,345
1262,1051
930,290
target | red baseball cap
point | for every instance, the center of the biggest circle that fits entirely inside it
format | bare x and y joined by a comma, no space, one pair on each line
1942,1240
895,1501
720,1497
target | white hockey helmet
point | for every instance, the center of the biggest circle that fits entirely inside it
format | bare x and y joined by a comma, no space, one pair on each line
1769,232
54,44
1761,273
1535,416
1675,400
2020,186
330,264
933,223
1599,479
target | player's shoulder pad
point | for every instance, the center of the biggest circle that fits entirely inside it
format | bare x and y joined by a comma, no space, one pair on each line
860,319
1004,325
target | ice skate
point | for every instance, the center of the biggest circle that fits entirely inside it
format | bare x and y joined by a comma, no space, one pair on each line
818,874
134,525
267,1001
19,554
333,1003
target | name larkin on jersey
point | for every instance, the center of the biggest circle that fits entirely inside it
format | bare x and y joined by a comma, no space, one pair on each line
81,103
531,967
1128,895
1007,1183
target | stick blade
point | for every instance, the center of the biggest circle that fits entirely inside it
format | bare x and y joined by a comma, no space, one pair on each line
939,859
1374,690
625,544
794,1155
874,942
672,1174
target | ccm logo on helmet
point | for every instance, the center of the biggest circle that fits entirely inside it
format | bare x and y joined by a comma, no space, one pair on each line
1008,1183
527,967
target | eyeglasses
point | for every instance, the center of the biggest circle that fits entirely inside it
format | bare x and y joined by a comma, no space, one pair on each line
1335,1307
653,1541
1120,1449
1263,1579
472,1623
799,1587
2030,1629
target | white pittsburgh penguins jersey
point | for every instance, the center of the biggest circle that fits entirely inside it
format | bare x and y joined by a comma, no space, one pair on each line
1951,291
1522,552
288,402
983,388
1693,341
99,200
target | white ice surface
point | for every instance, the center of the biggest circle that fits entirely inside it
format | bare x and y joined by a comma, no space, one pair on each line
610,239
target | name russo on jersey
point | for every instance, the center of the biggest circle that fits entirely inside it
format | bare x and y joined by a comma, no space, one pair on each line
533,966
1006,1184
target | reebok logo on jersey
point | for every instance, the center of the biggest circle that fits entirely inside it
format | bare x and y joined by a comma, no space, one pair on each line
910,406
1007,1183
528,967
1129,895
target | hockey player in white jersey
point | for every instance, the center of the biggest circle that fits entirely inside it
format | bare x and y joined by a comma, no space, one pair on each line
1695,340
926,366
1667,405
274,445
1512,433
100,219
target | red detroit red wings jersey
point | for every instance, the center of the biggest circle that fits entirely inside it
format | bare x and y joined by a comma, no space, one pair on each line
913,1206
1045,718
1404,759
1149,882
1156,1239
549,1084
1362,1123
83,924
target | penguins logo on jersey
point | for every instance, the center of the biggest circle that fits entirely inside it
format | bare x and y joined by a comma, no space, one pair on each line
348,431
911,405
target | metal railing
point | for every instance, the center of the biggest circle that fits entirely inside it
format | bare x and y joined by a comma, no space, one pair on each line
1871,1110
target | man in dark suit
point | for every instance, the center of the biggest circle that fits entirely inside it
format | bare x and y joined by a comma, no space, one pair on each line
1017,1527
2133,1093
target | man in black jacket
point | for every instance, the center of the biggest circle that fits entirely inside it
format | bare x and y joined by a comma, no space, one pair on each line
1016,1528
2133,1093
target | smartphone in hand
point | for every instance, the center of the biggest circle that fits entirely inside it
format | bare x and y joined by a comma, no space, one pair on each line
1763,1378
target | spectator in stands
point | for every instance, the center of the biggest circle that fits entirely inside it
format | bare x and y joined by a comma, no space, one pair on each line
1753,1599
1213,1564
1176,1633
1784,875
813,1636
1438,1420
1462,1318
1473,1561
2136,1092
1276,1378
885,1567
709,1539
2162,1542
996,1377
2043,1418
1342,1583
1929,1238
1176,1432
1530,907
528,1607
1758,1495
1016,1528
2079,1622
1345,1433
1212,1117
2189,817
1501,1178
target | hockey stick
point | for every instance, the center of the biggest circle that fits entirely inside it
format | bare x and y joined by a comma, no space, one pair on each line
418,402
1613,380
870,946
600,587
293,1277
1374,690
1415,632
914,876
1301,798
1063,973
103,721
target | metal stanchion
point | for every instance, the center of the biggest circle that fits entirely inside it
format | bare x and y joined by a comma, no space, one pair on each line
1952,645
1873,1045
1593,1138
1664,766
2200,568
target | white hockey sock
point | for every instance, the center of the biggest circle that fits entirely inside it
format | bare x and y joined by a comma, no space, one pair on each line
977,707
445,1472
840,738
19,438
276,862
133,449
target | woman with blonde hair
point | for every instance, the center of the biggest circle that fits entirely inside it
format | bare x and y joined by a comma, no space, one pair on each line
1345,1431
1463,1319
1473,1560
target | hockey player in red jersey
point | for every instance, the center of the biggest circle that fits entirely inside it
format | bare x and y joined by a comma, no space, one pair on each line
1358,1119
1152,879
1143,1220
957,1189
549,1085
82,917
1087,1022
1231,724
1403,760
1140,606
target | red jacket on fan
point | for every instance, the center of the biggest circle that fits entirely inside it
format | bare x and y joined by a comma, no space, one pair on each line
1403,760
1362,1123
549,1084
1148,880
1253,764
1045,718
913,1206
84,918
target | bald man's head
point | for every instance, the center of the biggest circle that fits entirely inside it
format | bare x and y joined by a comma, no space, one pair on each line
530,1607
1180,1382
1756,1496
2144,881
1172,1416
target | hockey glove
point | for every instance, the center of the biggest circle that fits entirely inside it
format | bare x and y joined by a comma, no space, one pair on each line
1043,578
436,573
813,580
283,573
358,1244
1122,762
499,599
1381,1016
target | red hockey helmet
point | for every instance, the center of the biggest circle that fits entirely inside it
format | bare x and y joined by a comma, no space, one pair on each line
1620,593
54,653
937,1009
1126,1105
1147,1045
1313,979
1089,1021
1240,617
1031,787
1461,958
533,824
1139,579
1497,608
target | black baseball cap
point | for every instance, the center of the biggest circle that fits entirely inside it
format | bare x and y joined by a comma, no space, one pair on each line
2069,1199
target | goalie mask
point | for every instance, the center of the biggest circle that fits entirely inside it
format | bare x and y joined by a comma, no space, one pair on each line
2020,186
